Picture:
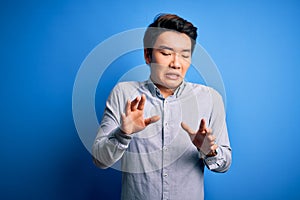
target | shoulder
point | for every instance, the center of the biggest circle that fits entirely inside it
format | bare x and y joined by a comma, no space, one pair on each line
127,85
129,89
201,89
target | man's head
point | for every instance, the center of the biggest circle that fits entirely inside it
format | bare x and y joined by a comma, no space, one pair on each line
168,45
168,22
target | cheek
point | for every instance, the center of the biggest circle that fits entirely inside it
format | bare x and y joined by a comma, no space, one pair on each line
160,59
155,57
185,69
156,70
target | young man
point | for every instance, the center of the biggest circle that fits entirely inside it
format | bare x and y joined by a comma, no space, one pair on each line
164,130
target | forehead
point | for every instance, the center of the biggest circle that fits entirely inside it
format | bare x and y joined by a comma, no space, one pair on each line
173,40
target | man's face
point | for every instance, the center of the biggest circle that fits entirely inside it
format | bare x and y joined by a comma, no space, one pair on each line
171,58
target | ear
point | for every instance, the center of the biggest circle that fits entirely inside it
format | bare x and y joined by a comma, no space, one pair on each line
147,56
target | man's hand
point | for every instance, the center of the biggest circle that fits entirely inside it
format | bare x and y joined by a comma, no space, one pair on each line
202,139
132,120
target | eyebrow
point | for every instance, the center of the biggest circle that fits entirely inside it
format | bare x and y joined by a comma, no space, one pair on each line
171,49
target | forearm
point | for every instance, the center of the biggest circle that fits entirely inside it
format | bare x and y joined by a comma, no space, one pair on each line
108,149
221,162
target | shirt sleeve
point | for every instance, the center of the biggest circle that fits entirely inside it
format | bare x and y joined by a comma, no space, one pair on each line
217,122
110,143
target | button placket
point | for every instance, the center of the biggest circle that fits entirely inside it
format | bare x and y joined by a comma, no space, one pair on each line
166,141
165,148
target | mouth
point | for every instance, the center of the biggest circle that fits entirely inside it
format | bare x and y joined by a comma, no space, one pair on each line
173,76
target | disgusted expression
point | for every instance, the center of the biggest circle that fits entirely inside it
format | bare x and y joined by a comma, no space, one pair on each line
171,58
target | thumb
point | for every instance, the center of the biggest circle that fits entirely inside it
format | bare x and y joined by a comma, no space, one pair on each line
202,128
187,128
123,117
151,120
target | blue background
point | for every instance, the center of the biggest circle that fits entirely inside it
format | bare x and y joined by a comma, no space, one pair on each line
255,45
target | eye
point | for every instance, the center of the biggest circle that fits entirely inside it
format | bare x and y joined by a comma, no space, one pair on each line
165,53
185,56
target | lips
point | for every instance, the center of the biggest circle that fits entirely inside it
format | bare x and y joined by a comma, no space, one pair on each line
173,76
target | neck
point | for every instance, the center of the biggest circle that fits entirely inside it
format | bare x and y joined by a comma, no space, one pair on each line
165,91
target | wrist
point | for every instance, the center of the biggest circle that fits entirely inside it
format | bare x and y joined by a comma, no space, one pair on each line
124,131
209,154
212,153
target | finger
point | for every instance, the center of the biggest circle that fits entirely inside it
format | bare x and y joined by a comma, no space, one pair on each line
214,137
211,138
142,102
187,128
202,127
214,147
127,108
209,131
134,103
151,120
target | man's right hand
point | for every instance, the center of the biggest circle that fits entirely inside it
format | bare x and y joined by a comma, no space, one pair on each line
132,120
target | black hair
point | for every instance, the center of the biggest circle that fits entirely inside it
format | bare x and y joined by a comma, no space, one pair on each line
167,22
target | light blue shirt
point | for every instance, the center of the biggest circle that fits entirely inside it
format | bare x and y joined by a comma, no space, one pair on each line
161,162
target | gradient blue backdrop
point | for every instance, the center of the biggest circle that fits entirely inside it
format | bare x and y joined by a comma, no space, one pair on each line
255,44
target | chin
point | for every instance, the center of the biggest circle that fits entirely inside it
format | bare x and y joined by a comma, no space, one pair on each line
172,86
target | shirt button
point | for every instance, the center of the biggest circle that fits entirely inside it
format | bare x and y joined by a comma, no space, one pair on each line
165,175
166,124
165,148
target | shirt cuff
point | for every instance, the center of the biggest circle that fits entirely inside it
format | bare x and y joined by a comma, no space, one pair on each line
214,162
122,138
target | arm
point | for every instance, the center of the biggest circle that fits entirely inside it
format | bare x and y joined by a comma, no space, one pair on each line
213,143
114,135
110,142
109,147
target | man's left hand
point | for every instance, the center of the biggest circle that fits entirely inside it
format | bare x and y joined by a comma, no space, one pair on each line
203,139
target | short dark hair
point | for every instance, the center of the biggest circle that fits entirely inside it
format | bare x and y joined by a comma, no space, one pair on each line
167,22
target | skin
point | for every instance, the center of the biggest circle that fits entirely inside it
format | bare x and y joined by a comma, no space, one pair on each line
171,58
203,139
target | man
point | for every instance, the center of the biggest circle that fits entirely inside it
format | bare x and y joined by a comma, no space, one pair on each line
164,130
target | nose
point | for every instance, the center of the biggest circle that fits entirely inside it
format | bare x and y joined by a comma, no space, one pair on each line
175,63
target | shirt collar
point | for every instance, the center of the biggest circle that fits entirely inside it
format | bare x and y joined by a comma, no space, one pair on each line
156,92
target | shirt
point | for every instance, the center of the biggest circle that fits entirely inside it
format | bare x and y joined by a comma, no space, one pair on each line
161,162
